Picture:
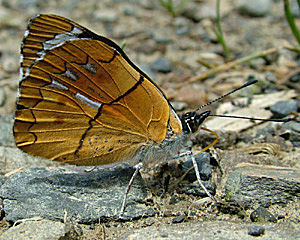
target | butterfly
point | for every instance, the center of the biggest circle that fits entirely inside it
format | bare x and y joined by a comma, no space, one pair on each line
82,101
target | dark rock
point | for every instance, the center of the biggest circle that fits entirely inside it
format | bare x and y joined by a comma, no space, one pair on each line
256,230
249,184
164,235
195,190
86,196
284,108
268,130
174,199
261,214
294,132
161,65
232,208
203,162
293,126
179,219
2,96
2,179
295,78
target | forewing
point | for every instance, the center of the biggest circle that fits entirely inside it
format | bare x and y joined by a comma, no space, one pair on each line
84,101
81,100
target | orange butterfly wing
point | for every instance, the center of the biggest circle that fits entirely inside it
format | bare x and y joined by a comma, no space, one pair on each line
81,100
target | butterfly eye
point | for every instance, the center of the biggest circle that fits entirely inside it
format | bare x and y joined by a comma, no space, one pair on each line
192,120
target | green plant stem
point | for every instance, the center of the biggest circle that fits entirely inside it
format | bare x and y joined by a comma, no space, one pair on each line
219,31
172,9
290,19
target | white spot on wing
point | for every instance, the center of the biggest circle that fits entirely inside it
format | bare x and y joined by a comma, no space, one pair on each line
21,68
90,67
26,33
58,85
61,38
70,74
76,31
88,101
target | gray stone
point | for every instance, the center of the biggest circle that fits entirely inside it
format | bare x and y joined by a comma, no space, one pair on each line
2,179
179,219
37,230
256,230
129,10
294,132
161,65
212,230
293,126
147,69
179,106
258,8
184,30
86,196
203,162
6,136
106,15
198,12
2,96
261,214
12,158
10,63
266,185
295,8
284,108
195,190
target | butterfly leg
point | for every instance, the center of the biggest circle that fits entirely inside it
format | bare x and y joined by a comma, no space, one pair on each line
137,169
198,177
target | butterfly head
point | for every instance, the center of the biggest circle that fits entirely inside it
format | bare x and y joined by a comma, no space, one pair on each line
192,120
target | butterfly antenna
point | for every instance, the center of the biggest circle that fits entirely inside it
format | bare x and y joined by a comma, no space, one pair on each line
257,119
225,95
241,117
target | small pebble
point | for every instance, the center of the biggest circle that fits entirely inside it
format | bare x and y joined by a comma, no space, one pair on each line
129,11
164,235
261,214
284,108
256,230
281,217
174,199
2,96
161,65
295,78
178,219
295,8
106,15
258,8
